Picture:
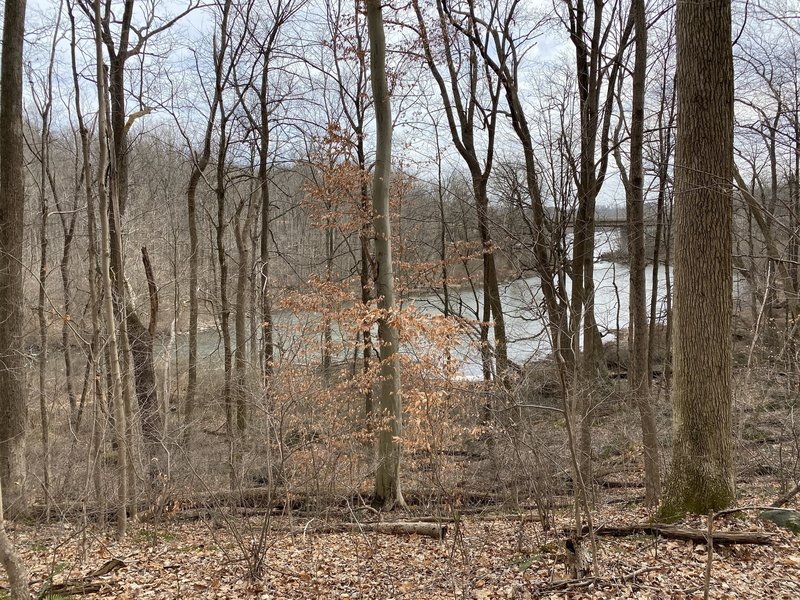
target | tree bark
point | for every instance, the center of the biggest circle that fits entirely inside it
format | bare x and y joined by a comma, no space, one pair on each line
13,406
687,534
701,478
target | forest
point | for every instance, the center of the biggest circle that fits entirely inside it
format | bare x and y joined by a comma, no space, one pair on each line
399,299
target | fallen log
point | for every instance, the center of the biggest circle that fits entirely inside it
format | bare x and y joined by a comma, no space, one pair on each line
83,585
688,534
263,499
432,530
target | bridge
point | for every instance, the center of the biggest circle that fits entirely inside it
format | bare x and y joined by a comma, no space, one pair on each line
615,223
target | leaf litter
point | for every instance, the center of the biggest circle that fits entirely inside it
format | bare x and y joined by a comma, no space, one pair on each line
479,559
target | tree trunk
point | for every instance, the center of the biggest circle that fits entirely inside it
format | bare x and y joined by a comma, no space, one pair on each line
75,411
120,421
365,272
198,167
224,303
91,227
491,287
665,151
42,318
387,478
701,478
267,344
240,232
194,249
460,110
145,376
9,557
13,406
638,332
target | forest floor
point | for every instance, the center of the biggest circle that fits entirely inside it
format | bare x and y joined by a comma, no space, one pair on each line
498,549
485,556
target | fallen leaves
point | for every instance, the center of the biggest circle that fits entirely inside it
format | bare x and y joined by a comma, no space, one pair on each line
484,561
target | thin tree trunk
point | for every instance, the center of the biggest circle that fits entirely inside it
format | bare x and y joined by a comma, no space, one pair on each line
66,339
242,269
665,151
461,114
365,276
638,333
41,316
227,396
267,344
120,423
92,270
387,478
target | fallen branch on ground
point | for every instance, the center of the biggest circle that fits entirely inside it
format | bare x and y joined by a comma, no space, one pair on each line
584,582
787,496
84,585
688,534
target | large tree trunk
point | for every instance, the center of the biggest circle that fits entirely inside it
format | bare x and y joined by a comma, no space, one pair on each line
13,406
387,478
638,332
701,478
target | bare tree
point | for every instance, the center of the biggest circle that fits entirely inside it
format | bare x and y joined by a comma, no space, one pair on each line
43,101
468,113
387,478
200,161
120,414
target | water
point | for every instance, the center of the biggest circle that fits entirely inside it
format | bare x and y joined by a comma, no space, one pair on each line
522,306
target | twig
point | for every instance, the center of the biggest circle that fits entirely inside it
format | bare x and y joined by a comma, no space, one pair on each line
736,509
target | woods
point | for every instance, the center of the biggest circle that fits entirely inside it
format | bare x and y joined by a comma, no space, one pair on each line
281,277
